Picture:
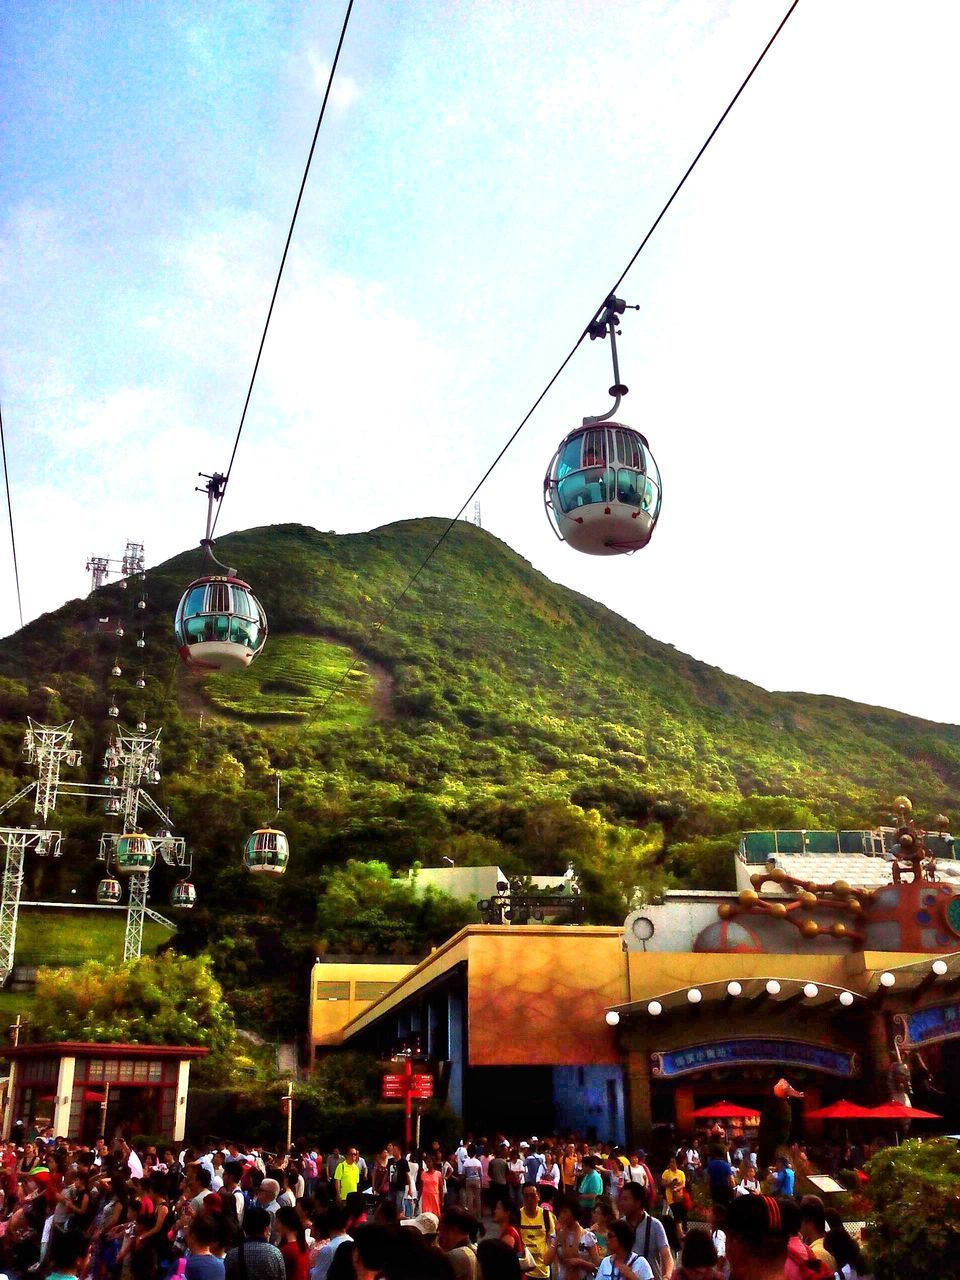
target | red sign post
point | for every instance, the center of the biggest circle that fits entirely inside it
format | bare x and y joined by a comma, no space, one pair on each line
405,1087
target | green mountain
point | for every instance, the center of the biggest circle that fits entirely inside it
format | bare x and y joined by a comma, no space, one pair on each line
495,716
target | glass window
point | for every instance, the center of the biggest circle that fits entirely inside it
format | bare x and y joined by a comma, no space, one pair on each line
126,1069
218,599
823,842
628,449
585,487
243,603
790,842
651,496
570,458
194,604
156,1070
630,487
594,447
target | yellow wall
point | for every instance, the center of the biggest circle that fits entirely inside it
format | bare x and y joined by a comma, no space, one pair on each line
337,996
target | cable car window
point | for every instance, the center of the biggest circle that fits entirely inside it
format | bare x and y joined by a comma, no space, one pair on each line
628,449
594,448
630,487
651,496
219,598
242,603
570,458
585,487
194,603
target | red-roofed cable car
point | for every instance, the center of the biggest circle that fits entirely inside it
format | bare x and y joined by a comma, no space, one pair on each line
602,489
220,624
267,850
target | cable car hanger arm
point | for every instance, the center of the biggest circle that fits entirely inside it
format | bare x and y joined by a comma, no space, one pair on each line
599,327
214,489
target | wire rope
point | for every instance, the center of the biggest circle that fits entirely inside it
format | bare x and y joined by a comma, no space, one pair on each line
13,540
283,260
559,370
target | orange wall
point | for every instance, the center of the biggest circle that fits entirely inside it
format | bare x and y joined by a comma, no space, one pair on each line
537,997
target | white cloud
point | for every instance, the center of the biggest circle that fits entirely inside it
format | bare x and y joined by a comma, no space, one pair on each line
343,92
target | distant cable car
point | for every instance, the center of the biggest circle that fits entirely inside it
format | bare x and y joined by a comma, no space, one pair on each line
109,892
602,489
142,643
141,681
220,624
111,805
183,895
267,851
134,852
115,670
113,711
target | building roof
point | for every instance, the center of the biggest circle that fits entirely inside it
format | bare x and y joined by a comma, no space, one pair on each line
85,1049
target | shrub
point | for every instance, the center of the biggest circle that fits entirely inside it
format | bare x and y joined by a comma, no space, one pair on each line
916,1195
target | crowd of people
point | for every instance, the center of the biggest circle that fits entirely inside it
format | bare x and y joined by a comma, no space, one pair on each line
483,1211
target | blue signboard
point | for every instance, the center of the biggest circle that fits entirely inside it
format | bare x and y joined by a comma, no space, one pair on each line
939,1022
738,1053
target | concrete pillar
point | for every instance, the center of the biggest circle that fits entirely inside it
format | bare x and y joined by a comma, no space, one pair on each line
637,1079
63,1098
455,1052
180,1110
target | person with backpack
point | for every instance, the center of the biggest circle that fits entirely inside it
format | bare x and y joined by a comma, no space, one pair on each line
649,1236
621,1262
538,1232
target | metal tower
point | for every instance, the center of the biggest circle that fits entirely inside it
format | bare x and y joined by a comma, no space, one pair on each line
99,569
133,560
137,756
476,515
47,747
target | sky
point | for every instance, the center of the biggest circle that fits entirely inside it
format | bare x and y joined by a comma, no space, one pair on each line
484,172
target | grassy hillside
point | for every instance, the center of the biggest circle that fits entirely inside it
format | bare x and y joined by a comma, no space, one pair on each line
498,717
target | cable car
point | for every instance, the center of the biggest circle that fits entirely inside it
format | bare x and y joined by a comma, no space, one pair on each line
113,711
109,892
183,895
111,805
602,488
115,670
220,625
134,852
267,851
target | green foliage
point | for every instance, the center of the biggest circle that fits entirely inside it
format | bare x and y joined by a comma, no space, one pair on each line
364,910
166,1000
915,1190
498,718
48,937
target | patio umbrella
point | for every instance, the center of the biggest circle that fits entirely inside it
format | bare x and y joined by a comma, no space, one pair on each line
842,1110
726,1111
897,1111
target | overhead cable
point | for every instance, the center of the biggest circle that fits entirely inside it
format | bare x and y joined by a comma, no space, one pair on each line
283,260
560,368
13,540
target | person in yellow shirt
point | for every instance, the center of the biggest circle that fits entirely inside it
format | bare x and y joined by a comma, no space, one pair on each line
538,1231
569,1167
674,1181
346,1177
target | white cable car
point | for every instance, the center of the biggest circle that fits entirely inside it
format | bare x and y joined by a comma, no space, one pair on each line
267,851
134,852
220,624
602,489
109,892
183,895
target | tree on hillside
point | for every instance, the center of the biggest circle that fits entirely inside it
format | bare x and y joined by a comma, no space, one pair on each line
364,910
169,999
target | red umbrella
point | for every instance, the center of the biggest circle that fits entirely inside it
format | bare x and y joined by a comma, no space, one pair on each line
726,1111
842,1110
897,1111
